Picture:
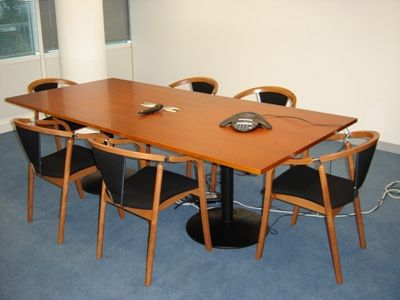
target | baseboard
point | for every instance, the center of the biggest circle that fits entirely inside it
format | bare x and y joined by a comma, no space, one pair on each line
6,124
389,147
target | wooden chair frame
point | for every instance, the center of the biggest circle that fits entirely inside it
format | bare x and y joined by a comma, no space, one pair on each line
274,89
38,82
214,83
326,209
60,81
47,127
190,80
151,215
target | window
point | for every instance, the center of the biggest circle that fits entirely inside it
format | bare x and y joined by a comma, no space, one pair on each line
18,25
17,28
49,25
116,21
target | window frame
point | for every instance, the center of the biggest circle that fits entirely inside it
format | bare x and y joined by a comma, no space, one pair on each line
40,48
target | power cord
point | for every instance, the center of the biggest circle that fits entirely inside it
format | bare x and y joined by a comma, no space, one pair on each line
393,190
302,119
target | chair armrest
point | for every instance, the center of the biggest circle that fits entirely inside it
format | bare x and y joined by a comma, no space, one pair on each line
198,164
299,161
105,143
103,138
337,136
86,136
54,123
180,159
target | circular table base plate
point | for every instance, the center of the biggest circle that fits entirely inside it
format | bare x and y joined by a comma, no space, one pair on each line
241,232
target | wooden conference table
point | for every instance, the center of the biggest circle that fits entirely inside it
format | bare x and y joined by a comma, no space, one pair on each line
112,106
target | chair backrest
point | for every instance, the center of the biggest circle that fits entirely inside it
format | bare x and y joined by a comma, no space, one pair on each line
111,162
204,85
362,163
48,84
270,94
359,153
112,168
30,132
30,140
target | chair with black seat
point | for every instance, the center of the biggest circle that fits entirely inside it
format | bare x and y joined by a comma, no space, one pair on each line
147,192
50,83
60,167
205,85
317,190
198,84
45,84
270,94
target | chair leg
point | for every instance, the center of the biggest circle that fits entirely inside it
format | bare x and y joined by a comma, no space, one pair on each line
295,215
101,223
360,223
58,142
57,139
79,189
150,251
121,213
213,183
265,214
63,213
31,186
306,153
330,224
205,223
188,169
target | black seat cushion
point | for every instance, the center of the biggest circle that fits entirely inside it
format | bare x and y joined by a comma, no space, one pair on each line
53,164
304,182
139,188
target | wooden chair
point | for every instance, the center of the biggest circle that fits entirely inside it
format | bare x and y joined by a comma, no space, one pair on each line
45,84
146,193
50,83
204,85
317,190
60,167
270,94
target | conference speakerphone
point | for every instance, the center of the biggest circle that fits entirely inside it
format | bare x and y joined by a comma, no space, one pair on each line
246,121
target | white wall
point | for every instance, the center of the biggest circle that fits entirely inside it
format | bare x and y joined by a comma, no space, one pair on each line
337,56
16,74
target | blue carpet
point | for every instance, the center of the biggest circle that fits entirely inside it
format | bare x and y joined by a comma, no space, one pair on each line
296,262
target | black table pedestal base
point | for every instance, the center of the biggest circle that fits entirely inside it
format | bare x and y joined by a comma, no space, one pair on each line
241,232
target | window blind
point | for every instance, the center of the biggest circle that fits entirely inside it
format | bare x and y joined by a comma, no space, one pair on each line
17,28
49,25
116,21
18,35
